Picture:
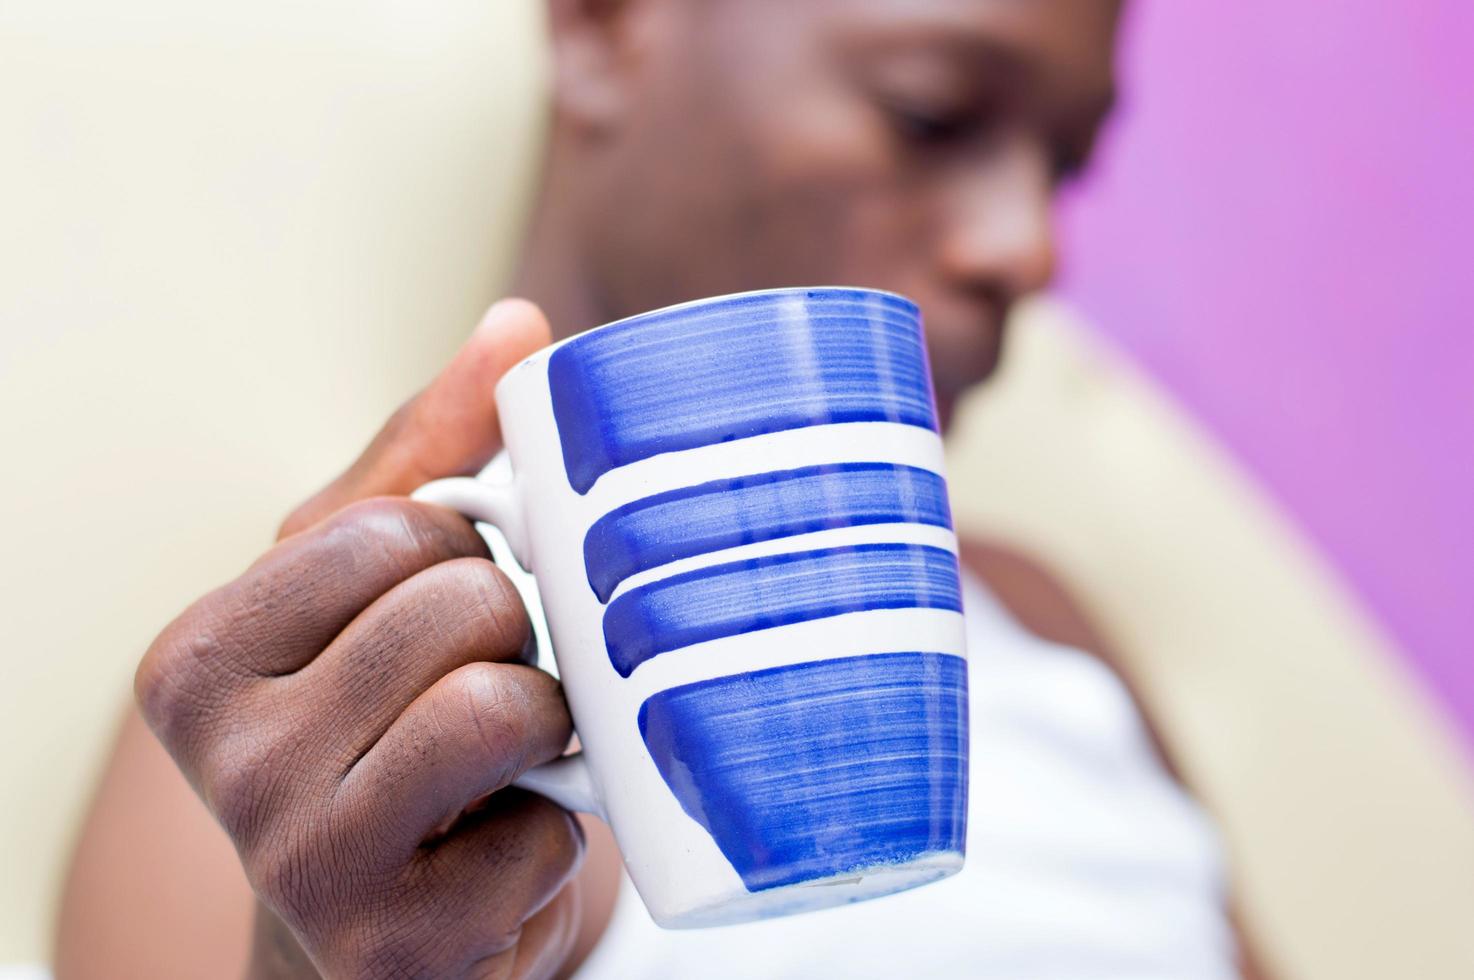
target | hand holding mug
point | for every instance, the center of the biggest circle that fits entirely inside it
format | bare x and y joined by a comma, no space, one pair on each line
737,518
344,702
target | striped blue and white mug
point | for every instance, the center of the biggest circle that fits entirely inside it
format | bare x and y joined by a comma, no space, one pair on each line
736,515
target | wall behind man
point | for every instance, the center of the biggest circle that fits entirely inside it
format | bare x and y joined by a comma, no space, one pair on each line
232,238
1281,231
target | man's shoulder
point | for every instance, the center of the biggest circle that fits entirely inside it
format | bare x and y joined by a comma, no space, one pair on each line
1041,602
1034,595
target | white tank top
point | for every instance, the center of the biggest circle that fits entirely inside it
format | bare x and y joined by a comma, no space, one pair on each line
1085,860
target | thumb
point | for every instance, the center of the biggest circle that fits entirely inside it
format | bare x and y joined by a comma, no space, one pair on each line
448,429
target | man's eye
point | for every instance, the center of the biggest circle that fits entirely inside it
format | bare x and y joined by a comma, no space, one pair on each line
1068,163
928,127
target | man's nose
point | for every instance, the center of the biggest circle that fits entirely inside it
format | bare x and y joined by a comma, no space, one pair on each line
998,235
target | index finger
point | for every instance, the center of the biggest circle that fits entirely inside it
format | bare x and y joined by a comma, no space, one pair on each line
289,605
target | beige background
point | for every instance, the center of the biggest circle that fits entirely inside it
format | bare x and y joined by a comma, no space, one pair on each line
233,237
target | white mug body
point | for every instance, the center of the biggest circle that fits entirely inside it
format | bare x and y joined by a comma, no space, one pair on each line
752,596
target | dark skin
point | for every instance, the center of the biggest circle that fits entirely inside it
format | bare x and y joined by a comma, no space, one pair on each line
352,708
912,146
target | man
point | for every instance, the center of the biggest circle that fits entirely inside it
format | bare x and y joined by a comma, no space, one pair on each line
352,709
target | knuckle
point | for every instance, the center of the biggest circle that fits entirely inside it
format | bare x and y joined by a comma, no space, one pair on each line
152,690
406,526
543,694
385,518
496,711
493,603
173,682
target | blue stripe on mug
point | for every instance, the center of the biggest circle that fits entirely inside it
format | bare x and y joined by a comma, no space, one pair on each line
725,513
682,378
819,769
775,590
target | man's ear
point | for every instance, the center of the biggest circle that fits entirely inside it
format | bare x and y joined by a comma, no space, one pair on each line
599,47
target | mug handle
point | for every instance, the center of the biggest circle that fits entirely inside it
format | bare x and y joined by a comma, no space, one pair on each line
566,781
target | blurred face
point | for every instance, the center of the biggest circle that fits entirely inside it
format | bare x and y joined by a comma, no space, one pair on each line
910,145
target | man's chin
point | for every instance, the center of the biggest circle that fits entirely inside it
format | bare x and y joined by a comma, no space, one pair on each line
951,391
945,407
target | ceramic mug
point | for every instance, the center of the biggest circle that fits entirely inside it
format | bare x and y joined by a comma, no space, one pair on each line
737,519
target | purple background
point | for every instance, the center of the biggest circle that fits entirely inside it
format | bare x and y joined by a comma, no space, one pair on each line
1279,230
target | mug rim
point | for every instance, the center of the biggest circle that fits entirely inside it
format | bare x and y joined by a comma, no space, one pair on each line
544,353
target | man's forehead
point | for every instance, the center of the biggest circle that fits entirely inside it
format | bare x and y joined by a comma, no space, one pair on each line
1050,39
1058,27
1074,33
